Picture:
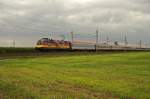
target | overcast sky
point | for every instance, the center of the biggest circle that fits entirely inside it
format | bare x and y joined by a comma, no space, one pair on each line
27,20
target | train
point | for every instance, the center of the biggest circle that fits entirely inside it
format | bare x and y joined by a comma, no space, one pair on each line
46,44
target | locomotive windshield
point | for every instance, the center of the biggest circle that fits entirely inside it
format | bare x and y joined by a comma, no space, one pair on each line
44,39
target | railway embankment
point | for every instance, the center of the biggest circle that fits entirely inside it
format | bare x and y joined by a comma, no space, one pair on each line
7,53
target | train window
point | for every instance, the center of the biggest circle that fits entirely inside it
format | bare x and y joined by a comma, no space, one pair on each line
39,42
44,39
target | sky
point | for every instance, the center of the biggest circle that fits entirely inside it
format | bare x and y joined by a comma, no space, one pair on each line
30,20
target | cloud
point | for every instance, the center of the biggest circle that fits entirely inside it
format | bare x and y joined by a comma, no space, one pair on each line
33,19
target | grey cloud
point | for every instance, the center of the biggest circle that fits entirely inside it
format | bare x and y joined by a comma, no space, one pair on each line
33,19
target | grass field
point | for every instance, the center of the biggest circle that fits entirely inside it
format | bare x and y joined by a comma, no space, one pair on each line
86,76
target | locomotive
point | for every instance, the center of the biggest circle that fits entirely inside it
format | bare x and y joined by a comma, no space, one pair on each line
47,44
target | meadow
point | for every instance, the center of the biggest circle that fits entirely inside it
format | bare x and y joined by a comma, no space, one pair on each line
83,76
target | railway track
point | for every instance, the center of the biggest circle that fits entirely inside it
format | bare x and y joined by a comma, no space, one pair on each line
59,53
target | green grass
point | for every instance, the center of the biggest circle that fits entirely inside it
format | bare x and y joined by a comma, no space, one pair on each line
108,76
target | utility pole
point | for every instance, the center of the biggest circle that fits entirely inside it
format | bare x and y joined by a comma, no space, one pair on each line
140,43
14,43
50,35
107,40
72,37
97,36
125,40
97,39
